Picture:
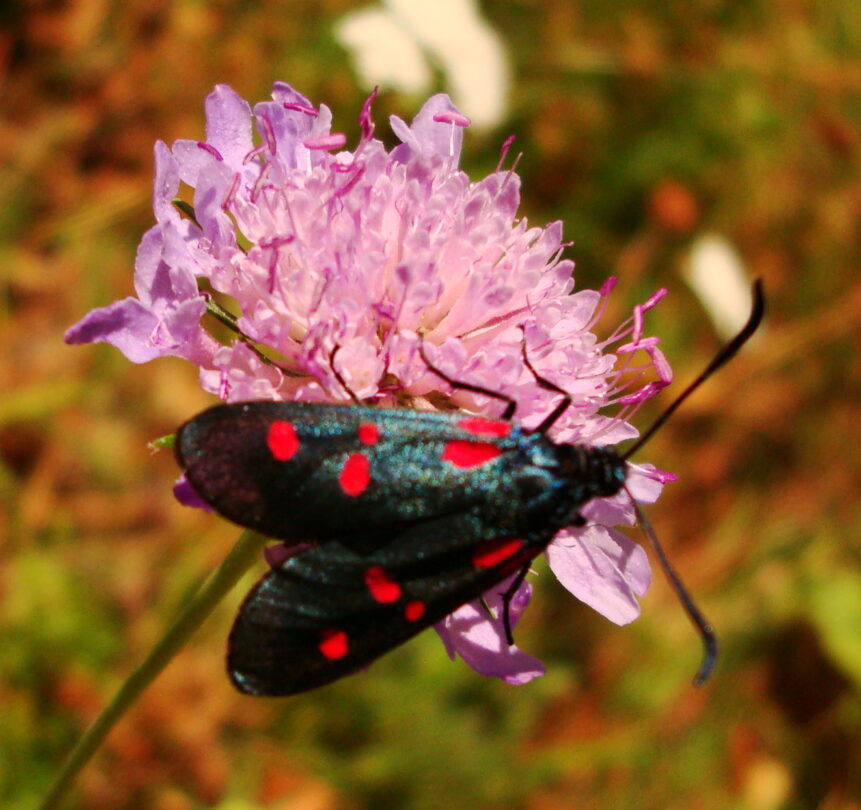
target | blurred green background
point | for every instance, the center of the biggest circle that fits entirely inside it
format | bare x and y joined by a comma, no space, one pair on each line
644,125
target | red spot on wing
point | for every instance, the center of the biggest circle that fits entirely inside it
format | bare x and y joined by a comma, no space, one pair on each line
369,433
333,643
383,588
466,454
282,440
496,551
355,474
485,427
413,611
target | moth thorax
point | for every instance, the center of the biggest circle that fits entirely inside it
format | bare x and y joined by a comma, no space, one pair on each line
608,469
599,469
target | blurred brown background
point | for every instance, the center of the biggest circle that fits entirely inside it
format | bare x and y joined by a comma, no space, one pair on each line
646,126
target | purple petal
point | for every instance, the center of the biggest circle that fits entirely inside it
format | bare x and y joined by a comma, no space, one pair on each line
165,185
228,124
284,93
126,324
181,324
213,182
286,129
426,136
480,640
159,283
191,160
185,493
603,568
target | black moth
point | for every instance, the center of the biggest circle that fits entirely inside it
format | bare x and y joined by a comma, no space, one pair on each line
408,515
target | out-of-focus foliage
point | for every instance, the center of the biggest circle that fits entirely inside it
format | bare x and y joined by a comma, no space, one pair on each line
643,125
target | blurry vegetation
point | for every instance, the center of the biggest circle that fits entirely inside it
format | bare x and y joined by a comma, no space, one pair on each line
642,124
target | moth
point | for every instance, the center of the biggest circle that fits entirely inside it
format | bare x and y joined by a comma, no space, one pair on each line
402,516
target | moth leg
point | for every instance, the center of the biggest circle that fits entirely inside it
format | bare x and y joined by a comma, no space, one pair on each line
546,384
511,404
578,521
338,376
506,601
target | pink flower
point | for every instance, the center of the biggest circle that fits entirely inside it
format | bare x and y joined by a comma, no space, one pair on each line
373,251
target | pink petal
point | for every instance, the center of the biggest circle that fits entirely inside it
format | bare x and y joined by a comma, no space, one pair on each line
480,640
644,482
603,568
611,511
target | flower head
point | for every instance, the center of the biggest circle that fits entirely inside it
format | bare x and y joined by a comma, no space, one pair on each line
373,253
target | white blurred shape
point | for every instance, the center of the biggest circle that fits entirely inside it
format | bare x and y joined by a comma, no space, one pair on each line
384,52
717,276
451,32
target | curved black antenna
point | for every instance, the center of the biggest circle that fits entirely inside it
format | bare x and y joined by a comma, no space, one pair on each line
726,353
702,625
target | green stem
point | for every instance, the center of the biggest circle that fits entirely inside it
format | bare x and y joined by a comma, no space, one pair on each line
241,557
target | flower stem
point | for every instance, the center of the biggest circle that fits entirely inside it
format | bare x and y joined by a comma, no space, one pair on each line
241,557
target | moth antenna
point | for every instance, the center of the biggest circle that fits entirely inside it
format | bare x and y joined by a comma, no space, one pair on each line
702,625
725,354
700,622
